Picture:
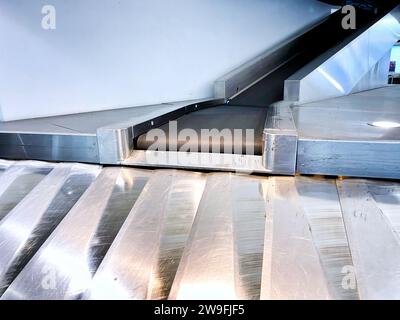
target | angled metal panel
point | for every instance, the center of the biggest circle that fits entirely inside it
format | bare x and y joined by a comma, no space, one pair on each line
338,72
292,268
142,262
223,258
18,180
63,267
370,210
28,225
320,202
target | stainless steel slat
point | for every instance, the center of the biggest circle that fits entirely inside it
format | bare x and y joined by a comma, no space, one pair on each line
292,267
76,231
18,180
64,265
145,255
320,201
223,257
373,237
28,225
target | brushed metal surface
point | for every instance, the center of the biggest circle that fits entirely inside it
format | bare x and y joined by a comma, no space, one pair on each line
197,161
94,137
291,267
343,70
280,140
371,211
223,258
18,181
87,232
337,136
87,123
306,246
260,81
142,262
350,117
63,267
50,146
29,224
320,202
350,158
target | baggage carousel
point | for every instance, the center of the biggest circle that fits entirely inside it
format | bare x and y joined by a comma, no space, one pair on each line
303,205
75,231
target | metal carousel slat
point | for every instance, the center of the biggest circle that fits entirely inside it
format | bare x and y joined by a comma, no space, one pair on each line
18,180
77,231
223,257
63,267
142,262
320,202
371,213
28,225
292,268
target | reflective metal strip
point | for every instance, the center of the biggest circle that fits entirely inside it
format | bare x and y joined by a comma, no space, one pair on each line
374,241
249,210
222,259
320,201
349,158
145,255
17,181
280,140
387,196
63,266
196,161
49,146
28,225
292,267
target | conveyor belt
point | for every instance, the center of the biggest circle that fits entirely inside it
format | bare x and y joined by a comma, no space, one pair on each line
242,112
87,232
223,117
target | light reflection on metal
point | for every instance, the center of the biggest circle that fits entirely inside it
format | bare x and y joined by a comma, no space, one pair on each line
28,225
371,212
74,250
185,235
223,258
350,67
146,253
291,266
385,124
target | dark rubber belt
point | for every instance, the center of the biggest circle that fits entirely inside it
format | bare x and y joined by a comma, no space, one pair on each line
220,117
